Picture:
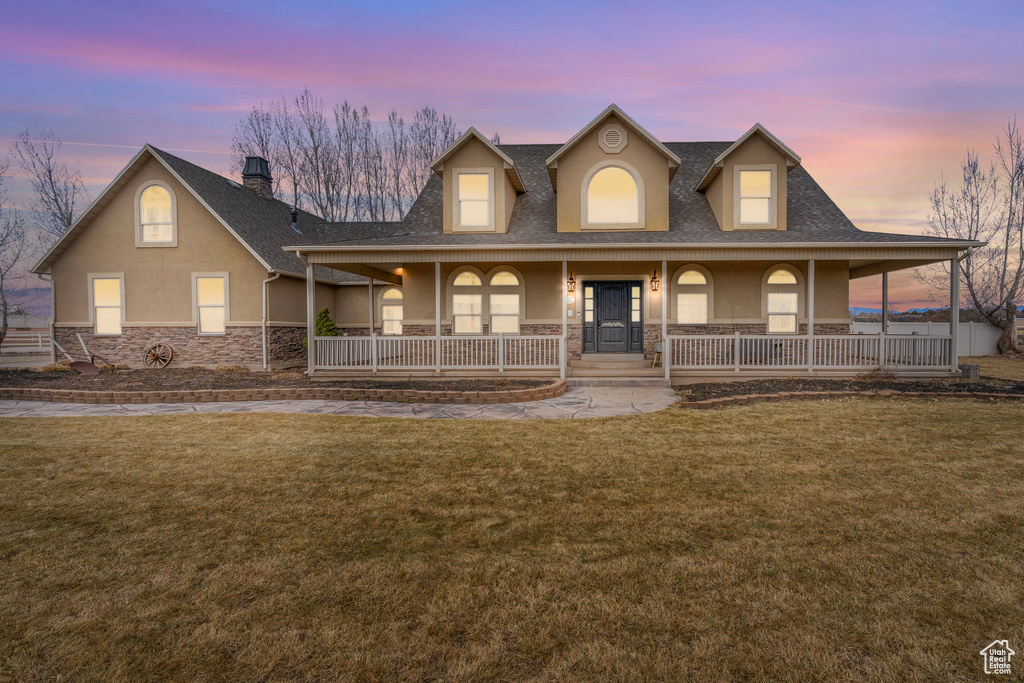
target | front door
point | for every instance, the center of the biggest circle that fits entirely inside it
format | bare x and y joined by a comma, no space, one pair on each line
612,317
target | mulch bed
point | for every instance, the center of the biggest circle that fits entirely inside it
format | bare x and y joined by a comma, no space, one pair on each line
192,379
700,392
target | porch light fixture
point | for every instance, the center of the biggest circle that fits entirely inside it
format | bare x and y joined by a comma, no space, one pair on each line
655,282
570,285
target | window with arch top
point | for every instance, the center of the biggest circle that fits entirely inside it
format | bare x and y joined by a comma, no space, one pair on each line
613,197
391,311
467,304
503,303
693,288
782,300
155,216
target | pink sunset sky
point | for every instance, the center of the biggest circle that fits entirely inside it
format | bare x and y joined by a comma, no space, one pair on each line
879,99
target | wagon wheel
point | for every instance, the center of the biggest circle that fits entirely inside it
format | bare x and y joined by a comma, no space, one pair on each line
158,356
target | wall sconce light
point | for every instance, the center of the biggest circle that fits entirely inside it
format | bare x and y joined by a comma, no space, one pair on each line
570,285
655,282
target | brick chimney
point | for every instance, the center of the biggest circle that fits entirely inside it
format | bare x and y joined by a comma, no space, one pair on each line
256,176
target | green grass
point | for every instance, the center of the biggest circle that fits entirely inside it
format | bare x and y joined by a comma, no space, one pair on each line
842,540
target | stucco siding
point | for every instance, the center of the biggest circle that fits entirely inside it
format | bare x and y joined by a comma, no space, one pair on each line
575,164
473,155
157,280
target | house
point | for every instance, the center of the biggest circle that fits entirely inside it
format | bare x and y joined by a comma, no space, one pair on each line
613,254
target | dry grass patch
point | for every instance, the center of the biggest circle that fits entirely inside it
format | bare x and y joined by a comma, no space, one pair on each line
1004,367
845,540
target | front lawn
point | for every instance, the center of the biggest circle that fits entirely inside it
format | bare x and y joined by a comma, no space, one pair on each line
843,540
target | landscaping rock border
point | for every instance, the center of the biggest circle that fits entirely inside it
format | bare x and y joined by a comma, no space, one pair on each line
820,395
556,388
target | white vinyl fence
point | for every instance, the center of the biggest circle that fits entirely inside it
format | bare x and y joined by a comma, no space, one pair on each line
976,339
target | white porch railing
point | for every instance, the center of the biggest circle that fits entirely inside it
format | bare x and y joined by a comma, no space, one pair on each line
480,352
825,352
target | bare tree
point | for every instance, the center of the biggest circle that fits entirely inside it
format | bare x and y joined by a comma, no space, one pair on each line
397,164
59,193
988,206
495,139
429,135
348,169
13,250
255,136
346,127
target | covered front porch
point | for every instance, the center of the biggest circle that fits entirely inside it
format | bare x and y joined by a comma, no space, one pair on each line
714,313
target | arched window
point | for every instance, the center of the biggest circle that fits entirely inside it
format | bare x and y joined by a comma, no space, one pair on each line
613,197
391,311
156,216
693,295
467,303
782,299
504,278
467,279
504,303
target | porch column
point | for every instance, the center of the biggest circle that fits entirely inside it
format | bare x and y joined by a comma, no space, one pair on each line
810,315
437,316
954,314
310,316
369,290
885,303
562,351
665,284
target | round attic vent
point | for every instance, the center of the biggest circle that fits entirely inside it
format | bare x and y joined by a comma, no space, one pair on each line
613,137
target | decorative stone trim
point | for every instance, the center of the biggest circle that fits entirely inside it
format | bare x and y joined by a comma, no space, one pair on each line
552,390
820,395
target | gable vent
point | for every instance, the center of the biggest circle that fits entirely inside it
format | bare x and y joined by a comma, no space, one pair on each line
612,137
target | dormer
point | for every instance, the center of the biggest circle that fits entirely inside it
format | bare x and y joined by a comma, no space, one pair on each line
746,184
480,185
612,176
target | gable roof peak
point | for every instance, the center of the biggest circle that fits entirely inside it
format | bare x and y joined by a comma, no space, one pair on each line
612,110
792,158
437,165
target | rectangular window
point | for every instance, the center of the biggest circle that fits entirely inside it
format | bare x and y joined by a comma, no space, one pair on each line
692,309
755,197
106,301
467,313
782,312
211,304
391,318
474,193
634,305
504,314
588,304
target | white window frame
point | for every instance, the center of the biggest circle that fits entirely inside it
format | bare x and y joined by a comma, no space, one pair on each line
138,215
641,223
195,303
773,200
457,203
383,302
518,315
708,289
767,289
92,300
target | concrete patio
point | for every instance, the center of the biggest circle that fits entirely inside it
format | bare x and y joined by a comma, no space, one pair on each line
577,402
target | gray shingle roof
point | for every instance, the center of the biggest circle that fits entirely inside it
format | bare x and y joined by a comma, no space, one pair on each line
262,224
811,215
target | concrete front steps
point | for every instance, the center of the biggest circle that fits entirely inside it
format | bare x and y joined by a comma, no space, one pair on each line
613,369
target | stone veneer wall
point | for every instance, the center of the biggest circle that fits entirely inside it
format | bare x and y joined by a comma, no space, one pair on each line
238,346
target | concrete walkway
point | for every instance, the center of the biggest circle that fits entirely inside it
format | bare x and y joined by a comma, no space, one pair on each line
576,402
